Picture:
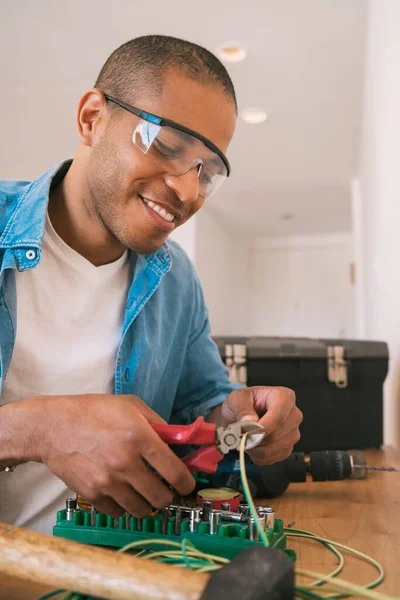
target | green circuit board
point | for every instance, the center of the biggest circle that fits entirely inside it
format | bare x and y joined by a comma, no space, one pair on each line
226,540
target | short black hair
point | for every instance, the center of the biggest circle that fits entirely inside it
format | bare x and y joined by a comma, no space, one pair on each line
140,64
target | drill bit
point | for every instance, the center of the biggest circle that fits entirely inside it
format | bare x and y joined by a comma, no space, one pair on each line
374,468
359,467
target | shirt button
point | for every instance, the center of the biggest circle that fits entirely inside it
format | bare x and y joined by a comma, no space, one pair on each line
30,254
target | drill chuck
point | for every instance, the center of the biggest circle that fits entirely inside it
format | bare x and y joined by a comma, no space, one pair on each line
272,480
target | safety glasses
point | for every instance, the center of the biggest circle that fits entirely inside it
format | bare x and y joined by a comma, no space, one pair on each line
178,149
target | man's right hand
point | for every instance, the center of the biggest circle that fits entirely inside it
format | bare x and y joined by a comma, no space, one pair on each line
101,446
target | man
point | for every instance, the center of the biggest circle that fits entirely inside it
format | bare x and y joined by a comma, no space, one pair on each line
103,328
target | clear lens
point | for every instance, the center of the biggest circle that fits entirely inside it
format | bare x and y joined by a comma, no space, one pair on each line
178,152
145,134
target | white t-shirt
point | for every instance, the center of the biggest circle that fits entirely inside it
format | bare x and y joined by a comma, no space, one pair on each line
70,316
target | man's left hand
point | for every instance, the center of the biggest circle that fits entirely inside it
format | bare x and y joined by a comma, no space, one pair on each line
275,409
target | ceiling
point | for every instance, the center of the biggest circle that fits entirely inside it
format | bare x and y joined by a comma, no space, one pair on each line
304,66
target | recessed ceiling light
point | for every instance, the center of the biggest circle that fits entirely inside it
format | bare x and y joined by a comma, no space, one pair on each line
231,52
254,115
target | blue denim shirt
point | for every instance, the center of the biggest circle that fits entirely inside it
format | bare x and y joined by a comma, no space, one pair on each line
166,355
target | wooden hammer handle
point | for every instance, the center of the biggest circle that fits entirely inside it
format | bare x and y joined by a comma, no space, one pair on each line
90,570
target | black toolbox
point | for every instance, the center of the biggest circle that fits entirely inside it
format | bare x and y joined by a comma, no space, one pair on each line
338,384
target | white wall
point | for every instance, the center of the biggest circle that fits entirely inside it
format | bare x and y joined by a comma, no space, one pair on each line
293,286
357,217
242,291
222,262
380,195
186,237
301,286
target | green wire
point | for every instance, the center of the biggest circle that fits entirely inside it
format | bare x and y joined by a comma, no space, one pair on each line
349,588
307,594
184,553
186,542
306,534
247,493
192,558
204,562
52,594
328,545
178,561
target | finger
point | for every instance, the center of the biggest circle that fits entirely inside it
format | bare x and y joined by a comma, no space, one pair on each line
108,506
239,406
280,450
292,424
157,454
109,493
280,402
150,415
149,486
131,501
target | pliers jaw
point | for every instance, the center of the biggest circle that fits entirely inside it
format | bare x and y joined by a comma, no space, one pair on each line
226,439
229,438
218,441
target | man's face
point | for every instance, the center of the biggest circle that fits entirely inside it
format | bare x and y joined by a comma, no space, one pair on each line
122,180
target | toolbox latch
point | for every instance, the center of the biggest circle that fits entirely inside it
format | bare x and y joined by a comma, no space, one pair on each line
236,361
337,366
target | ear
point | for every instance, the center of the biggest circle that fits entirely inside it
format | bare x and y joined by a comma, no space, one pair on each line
92,114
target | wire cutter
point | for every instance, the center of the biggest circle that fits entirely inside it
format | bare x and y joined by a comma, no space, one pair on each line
218,441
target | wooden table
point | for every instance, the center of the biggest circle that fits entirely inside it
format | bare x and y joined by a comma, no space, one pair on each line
363,514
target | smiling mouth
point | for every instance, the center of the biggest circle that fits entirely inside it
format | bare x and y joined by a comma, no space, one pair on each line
159,210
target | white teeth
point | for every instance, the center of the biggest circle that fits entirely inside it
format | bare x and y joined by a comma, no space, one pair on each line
159,210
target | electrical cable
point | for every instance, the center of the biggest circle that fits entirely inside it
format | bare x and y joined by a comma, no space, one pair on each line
363,591
305,534
52,594
349,588
185,554
247,493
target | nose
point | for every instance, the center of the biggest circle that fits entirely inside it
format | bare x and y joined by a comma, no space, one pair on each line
185,186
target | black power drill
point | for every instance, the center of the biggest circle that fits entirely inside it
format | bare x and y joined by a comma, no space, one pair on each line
272,480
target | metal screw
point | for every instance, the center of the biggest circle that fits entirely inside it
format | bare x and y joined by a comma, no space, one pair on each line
207,508
228,515
215,519
269,515
166,513
178,520
70,506
244,509
194,519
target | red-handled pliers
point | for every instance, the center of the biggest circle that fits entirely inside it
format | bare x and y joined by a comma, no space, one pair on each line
218,441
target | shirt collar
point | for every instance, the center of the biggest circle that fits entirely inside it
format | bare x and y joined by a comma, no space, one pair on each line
27,223
32,208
